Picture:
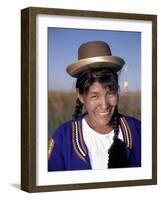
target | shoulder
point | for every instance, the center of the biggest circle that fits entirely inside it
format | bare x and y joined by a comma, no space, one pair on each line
130,119
61,130
132,122
64,130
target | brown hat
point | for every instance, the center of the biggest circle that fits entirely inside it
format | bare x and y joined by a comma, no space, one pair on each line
94,54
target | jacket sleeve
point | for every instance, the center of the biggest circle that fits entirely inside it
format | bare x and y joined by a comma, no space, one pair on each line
138,125
55,152
137,143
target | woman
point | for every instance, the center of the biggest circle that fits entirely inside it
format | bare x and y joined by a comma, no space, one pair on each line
100,138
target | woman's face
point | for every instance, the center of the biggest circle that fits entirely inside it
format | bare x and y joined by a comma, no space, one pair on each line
100,104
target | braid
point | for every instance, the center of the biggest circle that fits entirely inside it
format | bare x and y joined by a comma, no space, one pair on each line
116,123
117,153
78,109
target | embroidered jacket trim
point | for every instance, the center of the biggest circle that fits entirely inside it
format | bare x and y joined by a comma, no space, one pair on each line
78,142
127,135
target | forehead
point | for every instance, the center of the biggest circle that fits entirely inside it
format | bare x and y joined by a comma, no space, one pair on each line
98,88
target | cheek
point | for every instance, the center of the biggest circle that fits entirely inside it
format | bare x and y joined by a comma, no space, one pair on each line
90,105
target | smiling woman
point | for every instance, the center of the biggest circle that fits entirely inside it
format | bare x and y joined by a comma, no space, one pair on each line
101,137
99,97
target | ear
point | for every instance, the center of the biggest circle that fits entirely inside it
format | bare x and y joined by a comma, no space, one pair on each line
79,96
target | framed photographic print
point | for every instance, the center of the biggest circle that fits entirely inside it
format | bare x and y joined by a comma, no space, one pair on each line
55,153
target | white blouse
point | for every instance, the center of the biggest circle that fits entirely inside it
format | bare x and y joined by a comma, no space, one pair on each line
98,145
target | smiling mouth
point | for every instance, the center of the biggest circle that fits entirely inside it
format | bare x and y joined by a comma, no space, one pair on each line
104,113
107,112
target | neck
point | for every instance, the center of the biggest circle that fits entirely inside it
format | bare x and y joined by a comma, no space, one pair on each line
102,129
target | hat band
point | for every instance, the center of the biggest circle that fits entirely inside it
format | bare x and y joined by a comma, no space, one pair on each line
106,61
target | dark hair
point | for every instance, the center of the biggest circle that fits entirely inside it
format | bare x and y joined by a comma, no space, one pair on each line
107,78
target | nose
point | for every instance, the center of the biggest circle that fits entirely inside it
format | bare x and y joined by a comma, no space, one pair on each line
104,103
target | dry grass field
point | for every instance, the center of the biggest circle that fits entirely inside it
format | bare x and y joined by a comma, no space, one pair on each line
61,107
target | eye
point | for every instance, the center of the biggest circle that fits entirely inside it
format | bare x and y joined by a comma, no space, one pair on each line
94,96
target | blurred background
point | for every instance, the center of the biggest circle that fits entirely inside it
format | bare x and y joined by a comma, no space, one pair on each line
63,44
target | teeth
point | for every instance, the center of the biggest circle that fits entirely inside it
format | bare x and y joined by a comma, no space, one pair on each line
104,113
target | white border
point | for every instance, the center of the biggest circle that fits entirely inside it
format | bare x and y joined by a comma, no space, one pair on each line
90,176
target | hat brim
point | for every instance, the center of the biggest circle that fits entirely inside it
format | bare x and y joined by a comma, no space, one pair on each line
112,62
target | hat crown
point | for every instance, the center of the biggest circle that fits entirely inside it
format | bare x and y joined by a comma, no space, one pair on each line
92,55
93,49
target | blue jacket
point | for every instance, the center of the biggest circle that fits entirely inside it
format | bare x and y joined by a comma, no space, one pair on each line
67,149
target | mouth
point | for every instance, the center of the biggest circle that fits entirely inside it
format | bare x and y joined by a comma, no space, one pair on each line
106,112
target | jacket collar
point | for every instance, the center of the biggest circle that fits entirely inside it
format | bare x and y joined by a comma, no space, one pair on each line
78,141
